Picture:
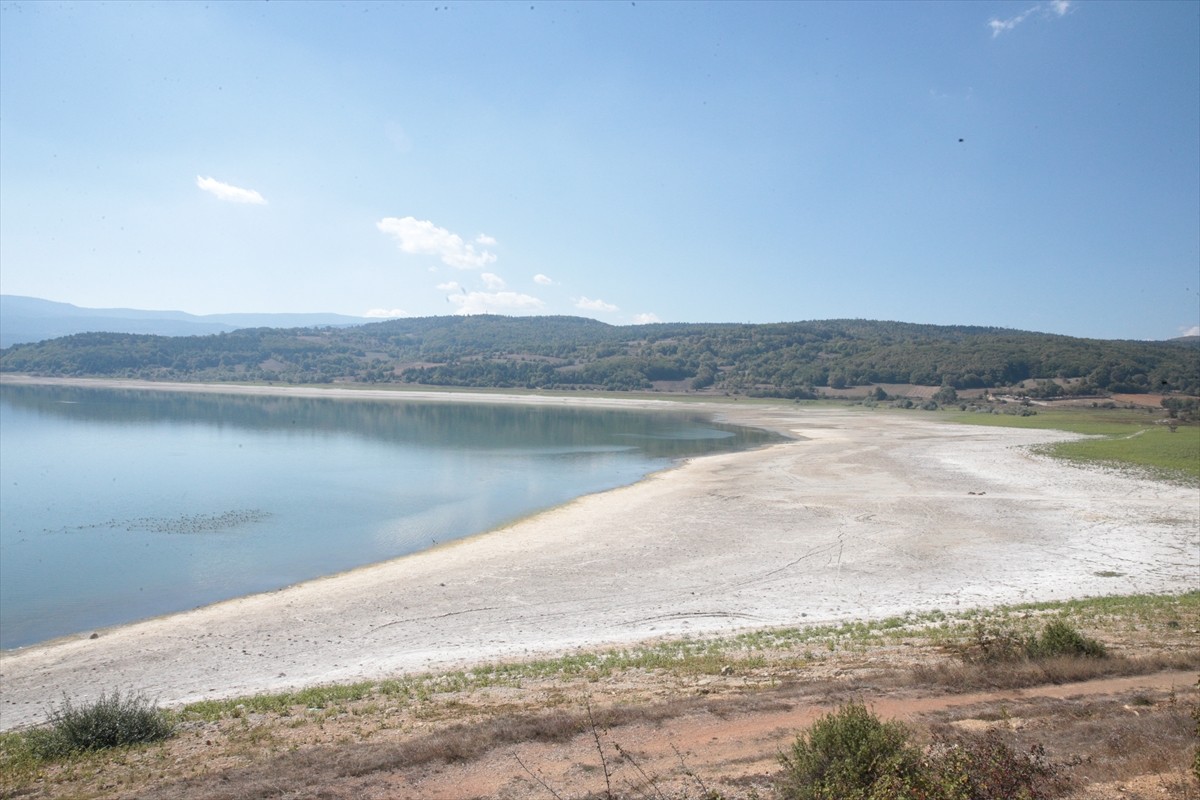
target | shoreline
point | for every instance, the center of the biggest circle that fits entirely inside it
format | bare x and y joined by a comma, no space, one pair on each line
340,392
860,514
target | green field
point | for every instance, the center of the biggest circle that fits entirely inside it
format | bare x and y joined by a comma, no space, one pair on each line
1121,438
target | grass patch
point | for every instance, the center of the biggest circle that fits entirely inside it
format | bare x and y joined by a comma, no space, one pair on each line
791,647
1127,438
1156,449
1087,421
1137,610
312,697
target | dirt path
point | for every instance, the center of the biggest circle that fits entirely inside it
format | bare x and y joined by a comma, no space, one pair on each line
741,749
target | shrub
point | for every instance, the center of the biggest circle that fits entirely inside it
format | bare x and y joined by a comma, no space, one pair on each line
990,645
1061,639
111,721
844,755
1196,755
986,767
852,755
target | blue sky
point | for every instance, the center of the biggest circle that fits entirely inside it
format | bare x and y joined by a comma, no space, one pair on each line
1032,165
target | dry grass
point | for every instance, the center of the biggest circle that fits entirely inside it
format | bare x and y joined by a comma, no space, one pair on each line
302,770
959,677
1144,738
1101,740
367,742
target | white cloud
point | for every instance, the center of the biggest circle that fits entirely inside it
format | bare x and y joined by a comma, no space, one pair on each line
492,281
228,193
449,286
422,237
385,313
1059,8
1192,331
1000,26
493,302
485,240
542,280
646,318
594,305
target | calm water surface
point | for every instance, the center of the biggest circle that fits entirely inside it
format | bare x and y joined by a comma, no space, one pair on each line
117,505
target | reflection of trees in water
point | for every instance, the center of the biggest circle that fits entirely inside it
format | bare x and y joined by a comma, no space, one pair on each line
430,424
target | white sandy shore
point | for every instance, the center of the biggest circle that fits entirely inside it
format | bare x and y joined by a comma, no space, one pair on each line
867,514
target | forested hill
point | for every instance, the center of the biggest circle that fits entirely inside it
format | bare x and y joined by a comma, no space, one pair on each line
780,360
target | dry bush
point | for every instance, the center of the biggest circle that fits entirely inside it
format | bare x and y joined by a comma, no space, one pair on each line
1133,740
973,676
1000,644
1141,736
990,766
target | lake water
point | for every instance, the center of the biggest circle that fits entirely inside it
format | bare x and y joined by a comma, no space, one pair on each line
116,505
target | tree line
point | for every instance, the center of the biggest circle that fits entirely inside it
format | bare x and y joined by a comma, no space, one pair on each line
774,360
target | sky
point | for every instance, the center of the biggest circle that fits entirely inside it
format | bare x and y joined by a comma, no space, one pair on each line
1029,165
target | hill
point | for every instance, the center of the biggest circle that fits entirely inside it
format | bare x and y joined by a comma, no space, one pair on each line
31,319
777,360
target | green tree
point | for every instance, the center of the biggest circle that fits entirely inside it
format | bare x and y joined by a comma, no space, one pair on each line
945,396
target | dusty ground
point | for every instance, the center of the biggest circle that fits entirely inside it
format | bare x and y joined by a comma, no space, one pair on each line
1144,400
735,752
671,733
863,514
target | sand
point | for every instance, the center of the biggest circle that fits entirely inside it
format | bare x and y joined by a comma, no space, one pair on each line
862,514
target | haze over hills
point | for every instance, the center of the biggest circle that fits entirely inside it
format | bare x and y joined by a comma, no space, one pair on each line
792,360
32,319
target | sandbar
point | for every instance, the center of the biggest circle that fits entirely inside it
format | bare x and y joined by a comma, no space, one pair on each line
860,514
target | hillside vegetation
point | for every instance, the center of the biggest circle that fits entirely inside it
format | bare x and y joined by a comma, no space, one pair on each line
771,360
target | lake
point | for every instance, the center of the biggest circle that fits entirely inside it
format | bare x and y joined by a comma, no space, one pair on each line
117,505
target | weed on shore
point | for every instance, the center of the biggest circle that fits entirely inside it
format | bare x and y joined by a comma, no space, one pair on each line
299,739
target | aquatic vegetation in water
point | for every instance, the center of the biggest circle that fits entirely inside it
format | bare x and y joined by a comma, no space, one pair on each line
184,523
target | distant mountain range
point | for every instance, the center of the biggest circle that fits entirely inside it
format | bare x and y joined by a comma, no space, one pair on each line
31,319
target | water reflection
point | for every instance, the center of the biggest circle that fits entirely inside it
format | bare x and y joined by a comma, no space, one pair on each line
428,424
117,505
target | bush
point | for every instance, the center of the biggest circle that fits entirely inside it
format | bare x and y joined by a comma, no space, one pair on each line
1196,755
844,755
852,755
998,644
1061,639
993,644
986,767
112,721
